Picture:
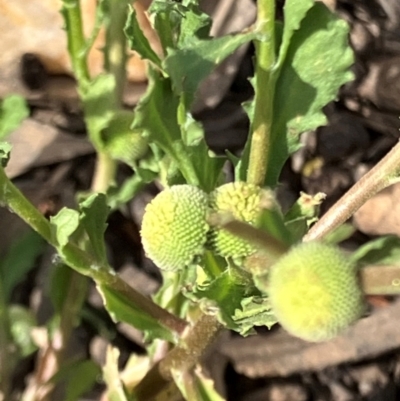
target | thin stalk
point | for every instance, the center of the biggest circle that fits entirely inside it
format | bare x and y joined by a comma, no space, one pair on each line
11,197
384,174
103,275
81,261
181,358
76,41
115,48
104,172
77,46
264,94
249,233
115,63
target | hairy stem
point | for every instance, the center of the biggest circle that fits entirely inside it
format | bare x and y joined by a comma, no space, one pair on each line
77,47
264,94
115,48
104,172
384,174
181,358
76,40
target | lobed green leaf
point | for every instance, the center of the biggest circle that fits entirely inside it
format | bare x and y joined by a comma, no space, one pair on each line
238,303
190,64
137,40
316,65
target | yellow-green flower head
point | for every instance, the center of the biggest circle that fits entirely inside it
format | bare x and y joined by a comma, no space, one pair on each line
174,227
243,202
314,291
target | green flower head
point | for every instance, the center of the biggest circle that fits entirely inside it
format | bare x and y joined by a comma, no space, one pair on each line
314,291
243,202
174,228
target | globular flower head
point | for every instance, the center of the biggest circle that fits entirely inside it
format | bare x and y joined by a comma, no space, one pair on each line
174,227
314,291
243,202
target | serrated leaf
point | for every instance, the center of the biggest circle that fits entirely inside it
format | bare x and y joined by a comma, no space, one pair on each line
13,110
167,20
177,23
195,24
380,251
189,65
156,116
156,113
317,64
313,63
255,311
64,224
294,12
99,106
19,260
137,40
94,213
233,297
121,309
208,167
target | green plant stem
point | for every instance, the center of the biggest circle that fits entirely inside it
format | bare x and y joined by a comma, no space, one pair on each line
115,48
384,174
105,167
76,41
181,358
104,172
249,233
81,261
11,197
103,275
264,94
115,63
